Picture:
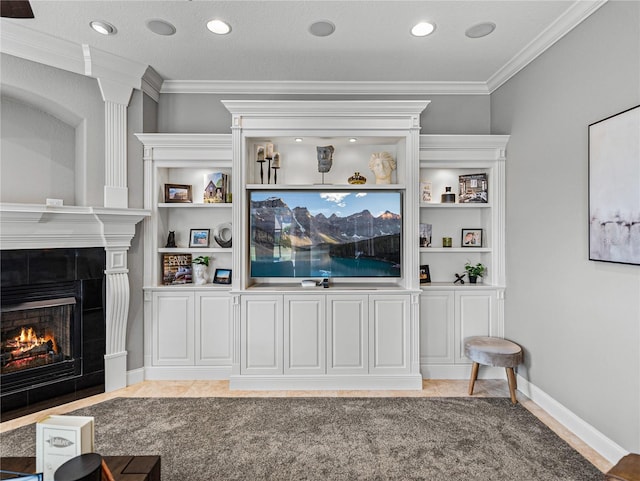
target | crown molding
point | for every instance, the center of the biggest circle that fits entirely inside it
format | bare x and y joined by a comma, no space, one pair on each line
275,87
572,17
152,83
23,42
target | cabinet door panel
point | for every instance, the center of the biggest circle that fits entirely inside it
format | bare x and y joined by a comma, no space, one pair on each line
173,329
304,335
474,315
389,334
261,335
347,334
436,327
213,335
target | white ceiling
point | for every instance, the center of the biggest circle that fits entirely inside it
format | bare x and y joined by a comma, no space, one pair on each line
270,41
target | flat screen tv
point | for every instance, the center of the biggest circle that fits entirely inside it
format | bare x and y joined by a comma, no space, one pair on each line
325,233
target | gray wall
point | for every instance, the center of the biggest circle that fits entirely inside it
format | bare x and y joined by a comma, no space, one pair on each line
204,113
72,98
578,320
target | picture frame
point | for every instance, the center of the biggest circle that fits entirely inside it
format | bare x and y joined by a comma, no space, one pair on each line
176,269
425,275
614,193
425,191
177,193
222,276
473,188
199,237
425,235
471,238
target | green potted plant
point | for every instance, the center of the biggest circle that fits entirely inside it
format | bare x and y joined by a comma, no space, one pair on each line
474,271
200,266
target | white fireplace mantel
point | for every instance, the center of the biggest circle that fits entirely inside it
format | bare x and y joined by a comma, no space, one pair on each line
33,226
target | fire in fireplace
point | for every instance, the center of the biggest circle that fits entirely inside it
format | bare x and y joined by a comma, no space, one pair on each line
35,334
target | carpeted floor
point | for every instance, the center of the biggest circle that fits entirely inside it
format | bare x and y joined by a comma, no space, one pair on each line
330,439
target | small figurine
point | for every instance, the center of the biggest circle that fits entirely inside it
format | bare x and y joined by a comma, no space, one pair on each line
459,278
325,158
171,240
382,164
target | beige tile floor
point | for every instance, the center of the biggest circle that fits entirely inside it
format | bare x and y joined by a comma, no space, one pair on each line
430,388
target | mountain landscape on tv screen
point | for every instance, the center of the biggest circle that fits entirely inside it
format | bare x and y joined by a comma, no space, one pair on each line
360,235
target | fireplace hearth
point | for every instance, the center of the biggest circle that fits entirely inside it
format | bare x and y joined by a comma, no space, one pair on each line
52,331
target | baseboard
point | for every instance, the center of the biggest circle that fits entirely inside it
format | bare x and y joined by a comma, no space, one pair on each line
326,382
135,376
187,373
460,371
607,448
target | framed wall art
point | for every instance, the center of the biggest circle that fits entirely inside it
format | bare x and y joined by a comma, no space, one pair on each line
199,238
471,238
177,193
614,188
425,275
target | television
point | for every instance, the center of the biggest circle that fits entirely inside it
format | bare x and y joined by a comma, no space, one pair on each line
325,233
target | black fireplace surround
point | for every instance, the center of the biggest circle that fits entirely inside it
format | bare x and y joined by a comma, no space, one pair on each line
39,276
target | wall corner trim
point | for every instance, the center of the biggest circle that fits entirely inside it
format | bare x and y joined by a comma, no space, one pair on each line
607,448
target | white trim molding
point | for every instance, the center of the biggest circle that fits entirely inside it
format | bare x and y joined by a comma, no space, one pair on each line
572,17
607,448
263,87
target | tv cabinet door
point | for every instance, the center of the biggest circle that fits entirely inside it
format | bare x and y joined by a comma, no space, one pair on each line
389,334
347,334
304,334
261,335
173,327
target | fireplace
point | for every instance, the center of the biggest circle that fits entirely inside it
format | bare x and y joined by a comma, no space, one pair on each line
52,332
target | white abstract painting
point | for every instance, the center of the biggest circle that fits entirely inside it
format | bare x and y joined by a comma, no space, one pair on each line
614,188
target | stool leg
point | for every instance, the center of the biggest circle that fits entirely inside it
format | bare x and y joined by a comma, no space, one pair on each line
512,384
474,376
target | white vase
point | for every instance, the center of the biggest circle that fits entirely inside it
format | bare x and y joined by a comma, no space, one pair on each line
199,274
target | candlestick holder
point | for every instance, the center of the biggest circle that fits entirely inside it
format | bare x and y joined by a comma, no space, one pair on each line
269,170
261,162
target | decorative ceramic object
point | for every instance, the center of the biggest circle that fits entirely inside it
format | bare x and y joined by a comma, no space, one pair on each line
357,179
448,197
382,165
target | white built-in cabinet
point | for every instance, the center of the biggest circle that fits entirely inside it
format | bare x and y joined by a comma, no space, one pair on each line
271,333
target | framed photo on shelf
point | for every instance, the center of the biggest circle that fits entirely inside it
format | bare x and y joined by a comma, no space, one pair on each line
425,191
199,238
471,238
177,193
425,235
474,188
176,269
425,275
222,276
614,191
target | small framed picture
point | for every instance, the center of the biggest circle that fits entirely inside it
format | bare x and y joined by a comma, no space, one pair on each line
471,238
222,276
425,191
425,275
199,238
177,193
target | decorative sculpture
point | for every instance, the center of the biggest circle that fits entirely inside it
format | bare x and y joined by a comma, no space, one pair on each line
171,239
459,278
382,164
325,159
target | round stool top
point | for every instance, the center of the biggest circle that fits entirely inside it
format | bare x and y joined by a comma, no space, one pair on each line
492,351
86,467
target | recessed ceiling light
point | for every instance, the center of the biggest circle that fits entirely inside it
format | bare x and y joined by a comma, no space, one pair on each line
322,28
161,27
423,29
353,139
219,27
480,30
102,27
298,139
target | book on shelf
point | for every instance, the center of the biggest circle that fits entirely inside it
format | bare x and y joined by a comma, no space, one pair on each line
473,188
176,269
425,235
216,188
425,191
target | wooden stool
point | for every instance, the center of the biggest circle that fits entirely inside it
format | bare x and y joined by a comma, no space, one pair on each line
493,351
627,469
